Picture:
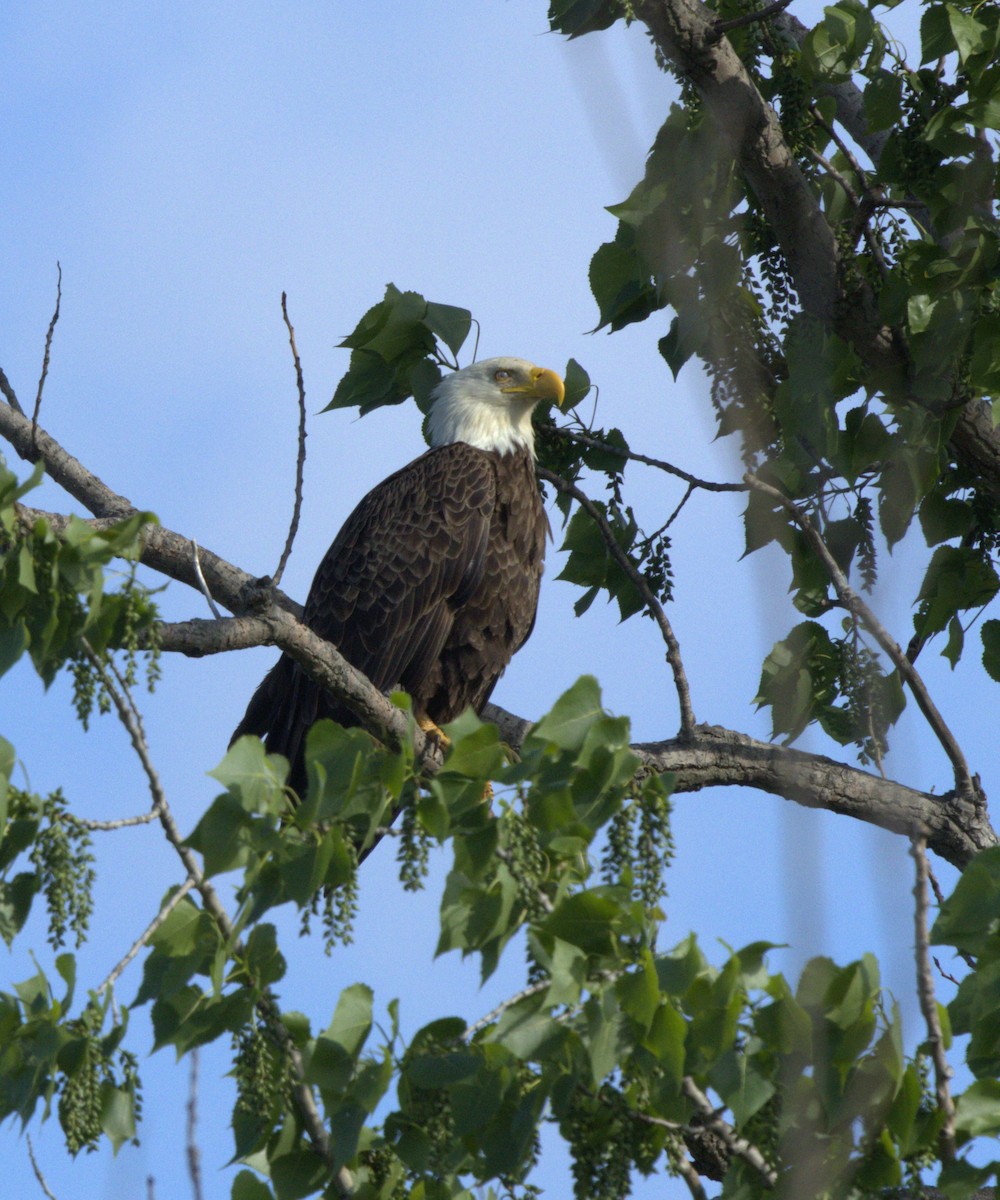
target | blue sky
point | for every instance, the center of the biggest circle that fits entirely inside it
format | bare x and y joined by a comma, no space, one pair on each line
186,163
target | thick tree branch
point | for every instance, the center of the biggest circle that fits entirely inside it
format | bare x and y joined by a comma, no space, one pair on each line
685,33
956,828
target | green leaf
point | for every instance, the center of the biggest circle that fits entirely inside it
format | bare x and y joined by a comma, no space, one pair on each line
970,916
585,919
608,1040
738,1080
117,1115
991,648
621,282
246,1186
577,17
352,1020
883,100
977,1109
449,323
297,1174
251,775
442,1070
224,836
577,383
957,578
936,36
969,34
566,724
960,1180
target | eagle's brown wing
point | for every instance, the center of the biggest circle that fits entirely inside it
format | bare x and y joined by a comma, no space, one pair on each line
385,594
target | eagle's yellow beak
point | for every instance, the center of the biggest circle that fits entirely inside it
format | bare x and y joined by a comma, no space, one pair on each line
544,385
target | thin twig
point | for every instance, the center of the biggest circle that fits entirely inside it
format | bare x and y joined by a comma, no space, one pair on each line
928,1004
45,359
38,1170
849,598
863,205
749,18
144,937
201,581
595,444
688,493
193,1152
109,826
300,462
653,605
738,1145
945,974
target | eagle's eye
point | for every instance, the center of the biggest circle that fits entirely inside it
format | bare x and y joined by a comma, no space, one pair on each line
501,376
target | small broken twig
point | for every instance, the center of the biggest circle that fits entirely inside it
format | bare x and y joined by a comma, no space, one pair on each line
201,581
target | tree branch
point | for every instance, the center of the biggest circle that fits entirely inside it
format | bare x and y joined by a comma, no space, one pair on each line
928,1004
854,604
143,939
693,481
685,33
738,1145
653,606
956,828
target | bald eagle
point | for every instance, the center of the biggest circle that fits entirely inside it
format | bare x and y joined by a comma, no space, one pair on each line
432,584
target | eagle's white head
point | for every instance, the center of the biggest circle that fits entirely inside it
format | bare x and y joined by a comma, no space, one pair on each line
489,404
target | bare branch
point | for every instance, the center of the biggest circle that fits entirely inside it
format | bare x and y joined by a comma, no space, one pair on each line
738,1145
653,605
7,390
38,1170
143,939
300,461
45,359
928,1004
193,1151
855,605
633,456
110,826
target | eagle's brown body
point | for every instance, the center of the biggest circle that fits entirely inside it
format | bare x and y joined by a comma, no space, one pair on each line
431,585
